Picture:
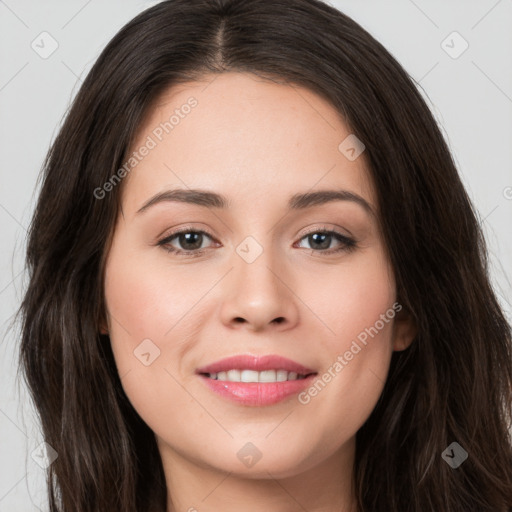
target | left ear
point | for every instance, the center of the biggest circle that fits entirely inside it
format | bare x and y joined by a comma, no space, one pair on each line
404,330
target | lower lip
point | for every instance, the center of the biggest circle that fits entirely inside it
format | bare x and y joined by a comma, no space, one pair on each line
257,393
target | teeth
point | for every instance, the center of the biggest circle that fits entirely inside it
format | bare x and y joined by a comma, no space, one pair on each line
254,376
232,375
249,376
267,376
282,375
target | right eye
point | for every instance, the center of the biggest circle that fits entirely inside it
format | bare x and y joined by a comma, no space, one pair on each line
186,237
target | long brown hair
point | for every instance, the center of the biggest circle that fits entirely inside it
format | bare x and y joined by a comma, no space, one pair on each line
453,384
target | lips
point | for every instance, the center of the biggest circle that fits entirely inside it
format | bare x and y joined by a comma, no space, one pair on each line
268,391
255,363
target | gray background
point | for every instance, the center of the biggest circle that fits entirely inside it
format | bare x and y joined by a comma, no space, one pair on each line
471,97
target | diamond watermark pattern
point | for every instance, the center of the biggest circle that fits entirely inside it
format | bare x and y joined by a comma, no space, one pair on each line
44,45
351,147
44,455
249,455
454,45
455,455
146,352
249,249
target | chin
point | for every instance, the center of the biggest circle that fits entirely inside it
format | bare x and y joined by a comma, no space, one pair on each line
257,461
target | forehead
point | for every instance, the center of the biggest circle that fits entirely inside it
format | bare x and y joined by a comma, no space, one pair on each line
245,137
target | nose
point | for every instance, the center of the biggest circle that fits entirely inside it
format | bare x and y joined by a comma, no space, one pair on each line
259,295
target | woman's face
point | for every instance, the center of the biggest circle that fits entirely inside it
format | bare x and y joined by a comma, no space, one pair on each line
263,281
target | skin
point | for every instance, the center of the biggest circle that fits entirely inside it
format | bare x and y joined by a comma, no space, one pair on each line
257,143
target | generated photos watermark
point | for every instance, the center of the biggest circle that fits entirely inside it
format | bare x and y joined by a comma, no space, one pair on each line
150,143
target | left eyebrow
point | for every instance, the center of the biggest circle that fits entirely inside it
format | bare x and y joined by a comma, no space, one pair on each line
296,202
309,199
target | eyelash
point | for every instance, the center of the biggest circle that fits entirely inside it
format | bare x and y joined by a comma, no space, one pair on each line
348,244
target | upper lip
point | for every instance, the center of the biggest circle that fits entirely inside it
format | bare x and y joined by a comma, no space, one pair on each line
257,363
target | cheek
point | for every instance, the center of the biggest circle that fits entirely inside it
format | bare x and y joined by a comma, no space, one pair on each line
350,299
144,299
155,313
357,313
147,311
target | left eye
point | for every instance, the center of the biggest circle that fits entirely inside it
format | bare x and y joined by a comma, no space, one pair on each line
324,239
191,242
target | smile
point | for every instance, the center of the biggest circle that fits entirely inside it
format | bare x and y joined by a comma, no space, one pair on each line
255,376
256,380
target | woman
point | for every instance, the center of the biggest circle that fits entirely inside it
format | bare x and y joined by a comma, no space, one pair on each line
188,344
